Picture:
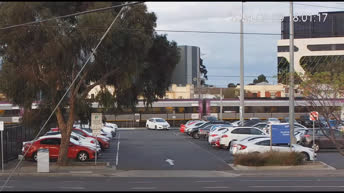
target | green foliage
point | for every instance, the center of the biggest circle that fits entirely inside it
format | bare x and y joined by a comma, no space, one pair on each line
259,79
272,158
46,57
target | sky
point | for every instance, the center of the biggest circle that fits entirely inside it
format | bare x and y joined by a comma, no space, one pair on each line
221,52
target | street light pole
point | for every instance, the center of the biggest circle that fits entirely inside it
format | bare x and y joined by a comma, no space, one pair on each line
242,109
221,104
291,75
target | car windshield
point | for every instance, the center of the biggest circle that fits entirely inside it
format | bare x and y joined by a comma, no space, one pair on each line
160,120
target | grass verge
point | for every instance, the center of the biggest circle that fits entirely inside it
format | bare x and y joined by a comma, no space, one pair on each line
272,158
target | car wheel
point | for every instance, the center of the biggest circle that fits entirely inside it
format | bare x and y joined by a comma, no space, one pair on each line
305,156
316,147
82,156
156,127
195,135
34,157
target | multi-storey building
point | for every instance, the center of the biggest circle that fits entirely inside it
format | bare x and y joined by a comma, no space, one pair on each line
318,40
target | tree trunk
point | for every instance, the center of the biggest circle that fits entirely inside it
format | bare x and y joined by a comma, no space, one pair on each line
65,135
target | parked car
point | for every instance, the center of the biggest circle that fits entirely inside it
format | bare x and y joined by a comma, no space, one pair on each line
260,125
238,133
273,120
261,145
103,141
183,126
248,139
110,128
216,134
188,128
320,140
75,137
299,133
251,122
209,118
194,131
204,132
75,150
157,123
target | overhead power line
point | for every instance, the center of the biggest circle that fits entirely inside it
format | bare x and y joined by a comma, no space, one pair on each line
69,15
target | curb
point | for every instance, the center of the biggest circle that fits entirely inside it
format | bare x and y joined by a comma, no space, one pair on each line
319,166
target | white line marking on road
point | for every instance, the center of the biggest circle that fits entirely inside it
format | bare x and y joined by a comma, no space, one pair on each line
204,181
74,188
117,155
144,188
217,187
170,161
8,186
297,186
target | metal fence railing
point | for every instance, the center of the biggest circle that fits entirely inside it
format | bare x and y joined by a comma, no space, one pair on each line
14,136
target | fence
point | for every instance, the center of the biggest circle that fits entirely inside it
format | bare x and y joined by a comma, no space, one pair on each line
14,136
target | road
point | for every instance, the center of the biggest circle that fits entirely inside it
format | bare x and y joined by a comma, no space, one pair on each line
143,149
174,184
149,149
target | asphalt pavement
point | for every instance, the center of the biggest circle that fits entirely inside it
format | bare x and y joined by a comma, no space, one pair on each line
144,149
174,184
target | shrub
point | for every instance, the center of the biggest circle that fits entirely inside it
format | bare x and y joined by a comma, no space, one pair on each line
272,158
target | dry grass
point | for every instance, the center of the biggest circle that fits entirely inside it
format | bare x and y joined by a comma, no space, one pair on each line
272,158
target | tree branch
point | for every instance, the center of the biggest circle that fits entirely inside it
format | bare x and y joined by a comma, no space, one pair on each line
100,81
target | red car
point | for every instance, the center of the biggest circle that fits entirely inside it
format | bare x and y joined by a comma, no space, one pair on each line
103,144
81,153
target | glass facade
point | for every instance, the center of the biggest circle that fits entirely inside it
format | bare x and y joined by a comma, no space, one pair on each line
324,24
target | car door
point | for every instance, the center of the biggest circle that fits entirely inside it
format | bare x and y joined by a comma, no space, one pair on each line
53,144
281,147
240,133
263,146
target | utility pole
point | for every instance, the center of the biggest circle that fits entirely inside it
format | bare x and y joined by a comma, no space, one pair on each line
242,92
291,75
221,104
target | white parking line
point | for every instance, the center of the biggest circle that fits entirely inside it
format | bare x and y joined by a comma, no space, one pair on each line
117,155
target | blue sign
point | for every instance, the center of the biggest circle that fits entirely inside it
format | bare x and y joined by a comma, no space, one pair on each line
280,133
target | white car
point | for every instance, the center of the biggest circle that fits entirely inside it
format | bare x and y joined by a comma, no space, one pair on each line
273,120
261,145
215,132
157,123
196,124
238,133
236,123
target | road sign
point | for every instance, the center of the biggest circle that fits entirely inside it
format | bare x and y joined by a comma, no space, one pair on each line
280,133
313,116
96,123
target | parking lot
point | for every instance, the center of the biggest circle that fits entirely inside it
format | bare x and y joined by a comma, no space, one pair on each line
142,149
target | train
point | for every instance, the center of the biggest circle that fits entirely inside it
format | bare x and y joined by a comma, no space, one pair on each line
178,111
